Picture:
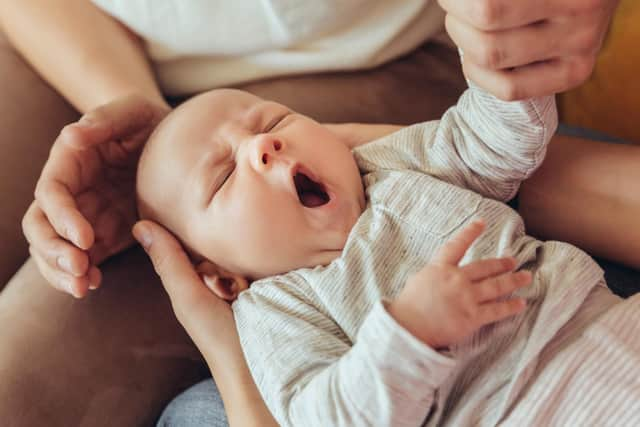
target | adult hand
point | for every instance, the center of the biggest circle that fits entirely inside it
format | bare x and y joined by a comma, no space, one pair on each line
85,198
207,319
209,322
518,49
356,134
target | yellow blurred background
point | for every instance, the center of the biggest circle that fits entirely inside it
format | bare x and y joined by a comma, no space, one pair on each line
610,100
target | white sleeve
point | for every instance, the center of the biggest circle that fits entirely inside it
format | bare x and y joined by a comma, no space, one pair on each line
482,143
309,375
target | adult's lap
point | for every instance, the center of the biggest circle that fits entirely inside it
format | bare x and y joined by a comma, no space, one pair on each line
114,358
117,357
31,115
200,405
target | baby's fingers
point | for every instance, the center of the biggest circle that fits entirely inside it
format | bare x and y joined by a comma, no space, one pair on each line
453,250
500,286
486,268
496,311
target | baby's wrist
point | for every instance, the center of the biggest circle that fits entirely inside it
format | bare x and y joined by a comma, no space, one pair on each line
408,320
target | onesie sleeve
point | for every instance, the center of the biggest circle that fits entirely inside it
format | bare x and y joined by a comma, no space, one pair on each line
309,374
482,143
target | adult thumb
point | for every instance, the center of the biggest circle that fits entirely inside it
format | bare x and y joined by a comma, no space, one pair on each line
169,259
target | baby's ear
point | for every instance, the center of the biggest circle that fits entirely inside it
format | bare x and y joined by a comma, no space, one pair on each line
222,283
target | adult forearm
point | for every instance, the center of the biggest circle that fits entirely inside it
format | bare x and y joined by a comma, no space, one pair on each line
585,193
356,134
86,55
242,400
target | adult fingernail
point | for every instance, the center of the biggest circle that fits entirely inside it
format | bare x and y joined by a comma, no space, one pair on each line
72,233
142,235
86,121
64,263
69,287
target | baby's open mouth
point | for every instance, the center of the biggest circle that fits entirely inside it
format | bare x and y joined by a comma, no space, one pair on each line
311,193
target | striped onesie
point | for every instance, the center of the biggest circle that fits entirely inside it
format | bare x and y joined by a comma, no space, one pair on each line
324,351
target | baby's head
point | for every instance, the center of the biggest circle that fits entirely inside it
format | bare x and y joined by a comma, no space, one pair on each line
249,186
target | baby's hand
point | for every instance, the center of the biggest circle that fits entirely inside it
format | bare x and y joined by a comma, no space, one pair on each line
444,303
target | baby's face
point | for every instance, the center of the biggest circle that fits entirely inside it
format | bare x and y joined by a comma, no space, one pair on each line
250,185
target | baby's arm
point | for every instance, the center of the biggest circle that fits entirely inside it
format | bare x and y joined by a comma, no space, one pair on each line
482,143
489,145
310,374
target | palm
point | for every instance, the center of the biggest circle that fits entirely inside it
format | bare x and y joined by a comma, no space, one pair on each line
101,176
106,198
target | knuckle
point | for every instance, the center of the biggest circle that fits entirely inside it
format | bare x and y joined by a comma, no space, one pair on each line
481,291
96,115
139,100
593,6
487,13
40,190
505,263
508,284
509,90
491,54
68,134
577,71
467,303
503,282
26,224
162,263
449,26
33,254
68,131
497,311
456,278
588,42
470,311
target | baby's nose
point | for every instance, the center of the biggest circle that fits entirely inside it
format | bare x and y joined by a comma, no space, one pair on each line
266,150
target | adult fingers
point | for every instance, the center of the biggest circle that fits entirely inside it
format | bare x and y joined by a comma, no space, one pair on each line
56,252
504,49
179,277
452,251
500,286
76,286
535,42
61,210
195,306
495,311
533,80
119,119
493,15
486,268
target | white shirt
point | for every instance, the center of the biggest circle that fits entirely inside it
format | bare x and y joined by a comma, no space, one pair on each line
201,44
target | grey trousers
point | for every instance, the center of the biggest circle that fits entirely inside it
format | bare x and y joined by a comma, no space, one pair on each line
199,405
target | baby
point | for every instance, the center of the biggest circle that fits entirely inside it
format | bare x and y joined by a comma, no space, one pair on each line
363,309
